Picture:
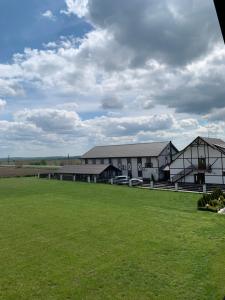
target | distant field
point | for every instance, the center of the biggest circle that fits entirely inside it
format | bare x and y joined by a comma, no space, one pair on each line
65,240
11,171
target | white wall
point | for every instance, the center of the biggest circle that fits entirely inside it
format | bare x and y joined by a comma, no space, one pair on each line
147,172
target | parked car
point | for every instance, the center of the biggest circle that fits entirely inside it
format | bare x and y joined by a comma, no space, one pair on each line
124,180
121,180
136,181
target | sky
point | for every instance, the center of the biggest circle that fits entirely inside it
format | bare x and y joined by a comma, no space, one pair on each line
80,73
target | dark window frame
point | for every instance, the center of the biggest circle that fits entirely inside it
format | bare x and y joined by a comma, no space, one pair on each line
139,160
202,163
148,163
140,173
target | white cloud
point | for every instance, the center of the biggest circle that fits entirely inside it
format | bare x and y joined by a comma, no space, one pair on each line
170,31
49,15
51,120
99,64
11,87
78,7
49,131
110,103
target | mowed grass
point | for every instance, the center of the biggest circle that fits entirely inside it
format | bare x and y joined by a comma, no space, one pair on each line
65,240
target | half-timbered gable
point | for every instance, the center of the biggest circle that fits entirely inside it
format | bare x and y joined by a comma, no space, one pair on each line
202,161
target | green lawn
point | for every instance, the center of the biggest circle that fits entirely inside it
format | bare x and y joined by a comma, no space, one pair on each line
65,240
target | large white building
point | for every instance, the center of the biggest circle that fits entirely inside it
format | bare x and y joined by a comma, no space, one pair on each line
202,161
144,160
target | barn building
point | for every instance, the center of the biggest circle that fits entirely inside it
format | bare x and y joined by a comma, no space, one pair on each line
88,173
143,160
201,162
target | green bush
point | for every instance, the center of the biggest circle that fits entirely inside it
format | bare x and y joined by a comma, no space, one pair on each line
205,199
213,201
217,193
216,203
222,199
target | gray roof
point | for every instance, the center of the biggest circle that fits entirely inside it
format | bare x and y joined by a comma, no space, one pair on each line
83,169
214,142
129,150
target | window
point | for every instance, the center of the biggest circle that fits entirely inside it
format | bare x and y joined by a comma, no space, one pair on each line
102,161
119,163
139,166
110,161
202,163
94,161
223,173
148,163
139,173
129,166
86,161
139,160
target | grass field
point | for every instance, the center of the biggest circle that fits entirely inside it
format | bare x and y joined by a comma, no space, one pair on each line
64,240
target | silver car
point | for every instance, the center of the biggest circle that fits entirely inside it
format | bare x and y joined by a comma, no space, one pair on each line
121,180
136,181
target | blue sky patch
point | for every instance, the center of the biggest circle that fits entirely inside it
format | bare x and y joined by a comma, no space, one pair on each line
23,26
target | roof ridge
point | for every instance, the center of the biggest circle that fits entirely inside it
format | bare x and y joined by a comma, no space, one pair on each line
131,144
209,138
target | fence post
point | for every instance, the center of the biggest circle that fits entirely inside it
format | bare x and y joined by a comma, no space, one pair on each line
95,179
49,176
111,180
130,183
74,177
176,187
61,177
204,188
38,175
89,179
152,184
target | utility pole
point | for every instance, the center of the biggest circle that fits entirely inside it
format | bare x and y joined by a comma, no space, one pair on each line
220,10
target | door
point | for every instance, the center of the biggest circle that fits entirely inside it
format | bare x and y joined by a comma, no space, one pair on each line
200,178
166,175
